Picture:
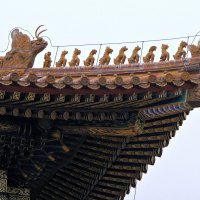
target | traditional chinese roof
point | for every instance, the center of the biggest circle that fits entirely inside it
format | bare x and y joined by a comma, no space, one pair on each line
91,132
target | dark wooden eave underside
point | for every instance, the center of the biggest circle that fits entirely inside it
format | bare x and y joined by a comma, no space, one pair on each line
99,165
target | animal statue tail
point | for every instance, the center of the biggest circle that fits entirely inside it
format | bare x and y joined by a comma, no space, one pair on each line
70,64
115,61
85,63
145,60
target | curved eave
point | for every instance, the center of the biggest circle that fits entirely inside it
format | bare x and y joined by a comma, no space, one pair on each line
110,77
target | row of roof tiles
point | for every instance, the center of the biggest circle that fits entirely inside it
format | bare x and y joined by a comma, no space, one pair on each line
95,82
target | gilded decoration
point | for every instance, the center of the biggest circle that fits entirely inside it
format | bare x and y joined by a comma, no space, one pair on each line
127,125
194,96
3,182
6,126
19,192
7,193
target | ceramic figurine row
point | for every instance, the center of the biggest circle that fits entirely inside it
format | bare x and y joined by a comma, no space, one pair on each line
120,59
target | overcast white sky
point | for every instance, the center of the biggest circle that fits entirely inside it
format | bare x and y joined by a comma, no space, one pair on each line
176,174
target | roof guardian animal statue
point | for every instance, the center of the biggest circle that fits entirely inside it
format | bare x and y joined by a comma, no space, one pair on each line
23,50
75,59
47,60
165,54
120,59
90,59
181,53
135,56
105,60
150,55
62,61
194,49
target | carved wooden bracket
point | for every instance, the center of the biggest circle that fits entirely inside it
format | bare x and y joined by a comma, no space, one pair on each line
194,96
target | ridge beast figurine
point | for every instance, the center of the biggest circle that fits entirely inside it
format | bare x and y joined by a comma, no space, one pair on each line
181,53
150,55
62,61
194,49
120,59
165,54
90,59
75,59
47,60
105,60
135,56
